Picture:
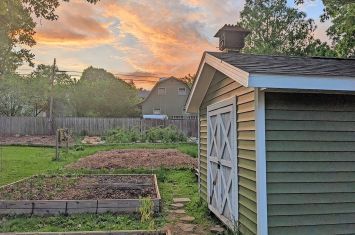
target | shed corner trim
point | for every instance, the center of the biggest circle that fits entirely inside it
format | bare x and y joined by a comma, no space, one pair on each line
261,193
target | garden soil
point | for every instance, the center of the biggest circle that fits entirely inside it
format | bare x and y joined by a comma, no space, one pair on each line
81,188
136,158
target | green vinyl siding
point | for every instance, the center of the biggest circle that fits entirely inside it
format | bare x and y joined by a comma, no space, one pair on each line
222,88
310,144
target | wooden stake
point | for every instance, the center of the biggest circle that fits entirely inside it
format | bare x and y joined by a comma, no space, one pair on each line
51,126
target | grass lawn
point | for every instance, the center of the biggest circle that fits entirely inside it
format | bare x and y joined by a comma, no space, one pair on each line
20,162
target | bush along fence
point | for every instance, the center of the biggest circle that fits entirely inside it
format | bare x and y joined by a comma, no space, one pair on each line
89,126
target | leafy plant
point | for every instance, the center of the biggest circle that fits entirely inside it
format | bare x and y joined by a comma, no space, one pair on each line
168,134
123,136
146,210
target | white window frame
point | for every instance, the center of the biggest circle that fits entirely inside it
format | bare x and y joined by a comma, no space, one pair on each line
159,91
182,92
156,109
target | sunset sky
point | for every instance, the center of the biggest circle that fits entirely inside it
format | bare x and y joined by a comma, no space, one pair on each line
141,38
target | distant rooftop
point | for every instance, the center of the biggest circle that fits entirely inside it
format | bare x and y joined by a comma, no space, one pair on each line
291,65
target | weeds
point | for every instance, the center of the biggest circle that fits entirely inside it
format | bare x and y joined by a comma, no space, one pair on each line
168,134
146,210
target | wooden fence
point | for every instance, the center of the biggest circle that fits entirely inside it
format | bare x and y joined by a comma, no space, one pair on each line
88,126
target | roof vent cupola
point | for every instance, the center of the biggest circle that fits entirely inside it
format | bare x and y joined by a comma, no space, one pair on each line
231,37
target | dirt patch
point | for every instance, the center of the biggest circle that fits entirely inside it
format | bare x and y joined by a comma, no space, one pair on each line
81,188
136,158
45,140
92,140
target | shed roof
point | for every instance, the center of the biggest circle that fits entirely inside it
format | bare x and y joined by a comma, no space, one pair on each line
293,65
281,72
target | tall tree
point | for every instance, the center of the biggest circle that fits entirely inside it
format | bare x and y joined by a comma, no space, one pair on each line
188,79
278,29
99,93
39,89
17,28
12,98
341,13
341,31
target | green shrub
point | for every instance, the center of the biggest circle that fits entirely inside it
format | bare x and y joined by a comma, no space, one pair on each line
168,134
123,136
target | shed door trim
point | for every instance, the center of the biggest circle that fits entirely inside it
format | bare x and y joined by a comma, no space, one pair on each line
222,177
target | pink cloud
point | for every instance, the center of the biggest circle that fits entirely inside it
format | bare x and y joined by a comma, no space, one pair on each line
77,25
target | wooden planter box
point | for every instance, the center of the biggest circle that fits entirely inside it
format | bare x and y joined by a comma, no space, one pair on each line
69,207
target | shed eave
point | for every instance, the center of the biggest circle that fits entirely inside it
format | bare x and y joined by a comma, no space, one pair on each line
207,68
306,82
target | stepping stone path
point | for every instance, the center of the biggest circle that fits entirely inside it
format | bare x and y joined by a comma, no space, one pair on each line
177,205
181,200
187,219
180,212
182,224
217,229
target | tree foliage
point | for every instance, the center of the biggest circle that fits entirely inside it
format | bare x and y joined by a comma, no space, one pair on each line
188,79
12,98
17,28
342,30
279,29
99,93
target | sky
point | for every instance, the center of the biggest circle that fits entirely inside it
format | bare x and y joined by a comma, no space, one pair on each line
140,40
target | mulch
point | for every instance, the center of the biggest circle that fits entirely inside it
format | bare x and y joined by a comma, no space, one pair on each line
43,140
136,158
81,188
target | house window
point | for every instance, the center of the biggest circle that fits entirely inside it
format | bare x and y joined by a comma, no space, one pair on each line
156,111
182,91
161,91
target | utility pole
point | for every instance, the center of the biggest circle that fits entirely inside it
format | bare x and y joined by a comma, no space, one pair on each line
51,98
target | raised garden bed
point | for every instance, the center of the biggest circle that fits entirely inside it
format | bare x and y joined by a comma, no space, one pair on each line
136,158
54,195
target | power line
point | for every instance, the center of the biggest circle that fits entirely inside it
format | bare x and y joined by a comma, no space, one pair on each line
125,79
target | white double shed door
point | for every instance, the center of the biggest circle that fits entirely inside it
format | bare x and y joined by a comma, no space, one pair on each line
222,177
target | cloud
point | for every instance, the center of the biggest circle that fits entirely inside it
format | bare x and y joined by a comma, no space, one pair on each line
78,25
157,37
170,36
154,38
141,79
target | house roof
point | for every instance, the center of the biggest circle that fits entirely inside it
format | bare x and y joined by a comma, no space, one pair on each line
160,82
280,72
288,64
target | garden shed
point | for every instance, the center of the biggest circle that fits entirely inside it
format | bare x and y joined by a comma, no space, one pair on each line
276,140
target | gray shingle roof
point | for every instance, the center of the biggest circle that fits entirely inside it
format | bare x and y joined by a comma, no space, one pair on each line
288,64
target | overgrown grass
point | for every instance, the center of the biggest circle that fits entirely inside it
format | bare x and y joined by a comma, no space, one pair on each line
82,222
25,161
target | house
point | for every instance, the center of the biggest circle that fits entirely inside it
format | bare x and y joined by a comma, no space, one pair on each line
142,93
276,140
168,97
